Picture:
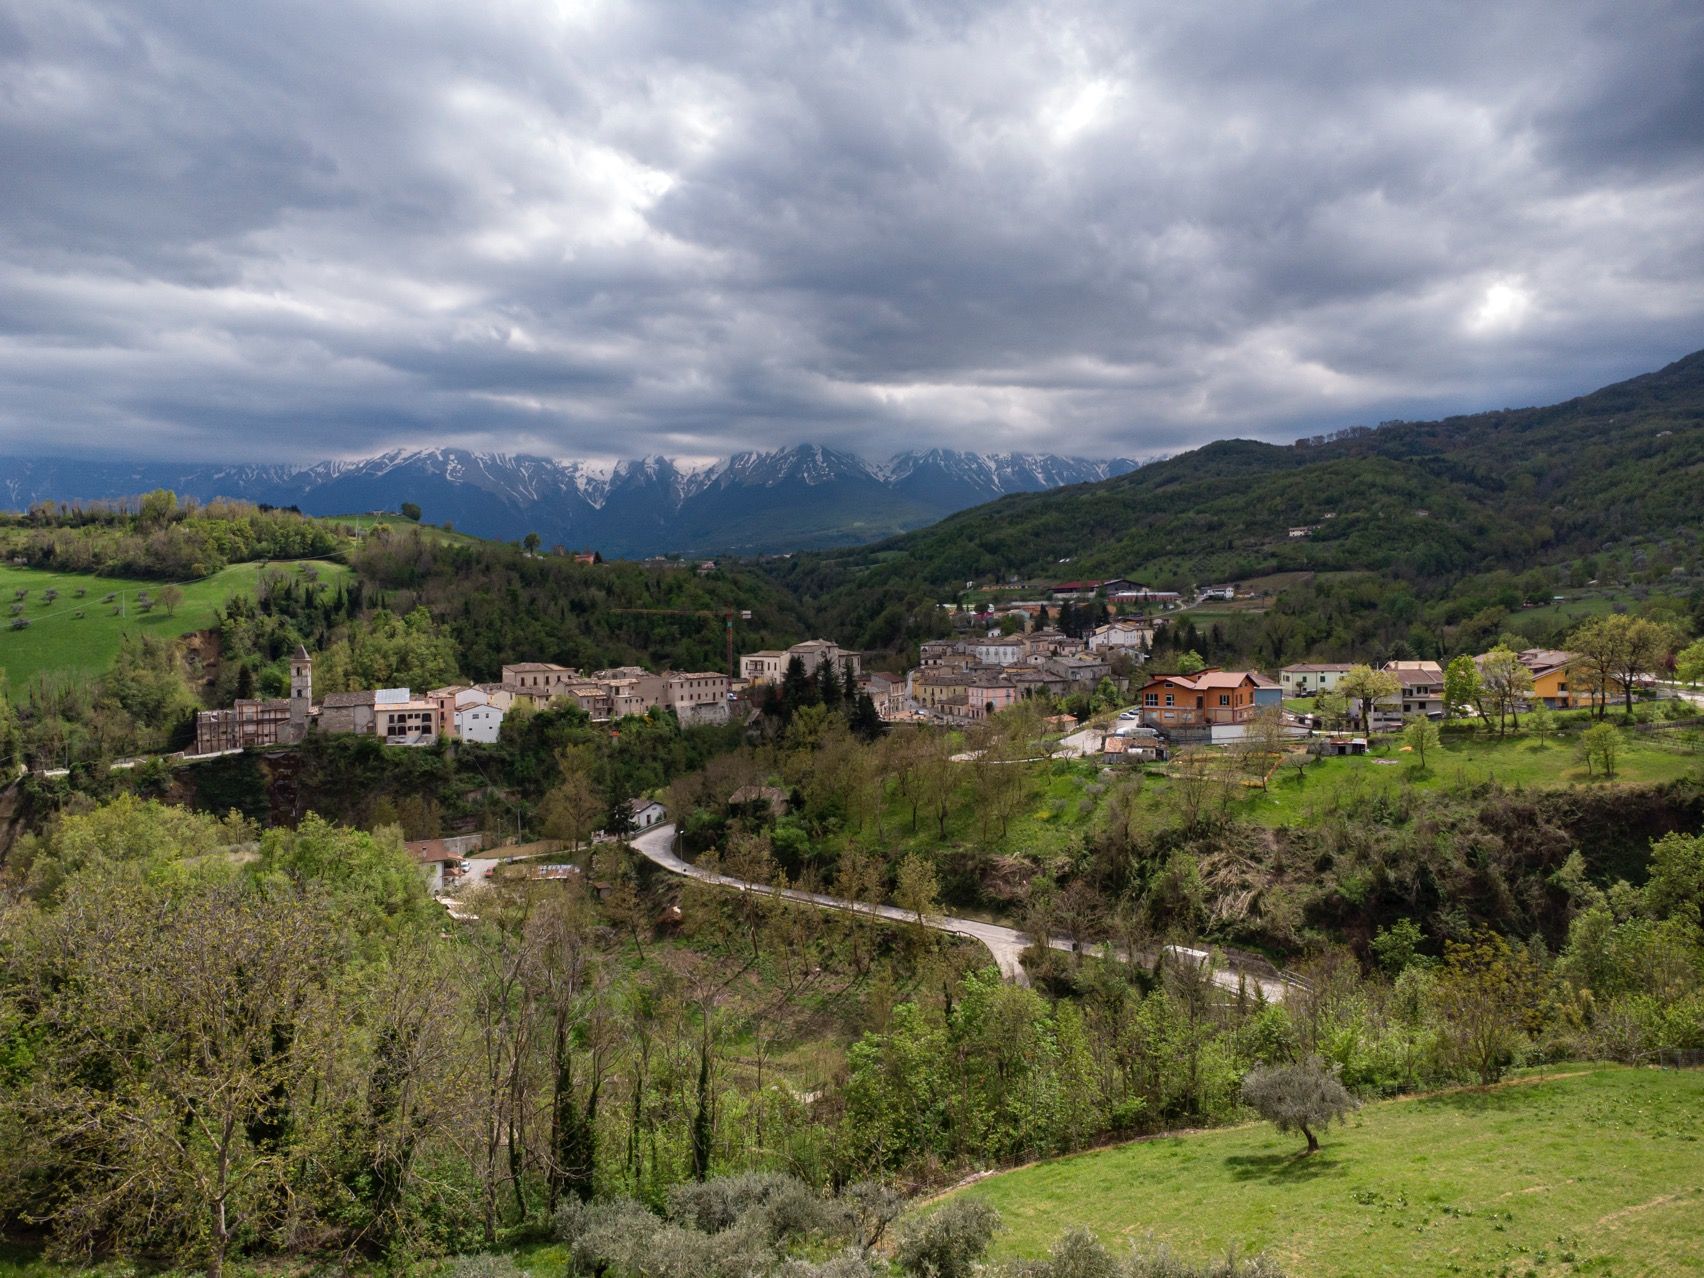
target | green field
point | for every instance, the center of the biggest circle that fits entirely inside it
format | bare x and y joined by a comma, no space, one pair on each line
1469,760
61,642
396,523
1583,1170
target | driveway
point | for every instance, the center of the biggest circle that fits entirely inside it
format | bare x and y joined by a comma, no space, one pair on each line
1006,944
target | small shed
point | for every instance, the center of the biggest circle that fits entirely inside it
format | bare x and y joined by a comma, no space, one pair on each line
1329,747
646,813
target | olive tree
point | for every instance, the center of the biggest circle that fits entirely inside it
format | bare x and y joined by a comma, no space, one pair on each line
1298,1098
949,1242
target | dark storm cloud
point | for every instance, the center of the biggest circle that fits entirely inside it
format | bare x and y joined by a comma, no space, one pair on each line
591,228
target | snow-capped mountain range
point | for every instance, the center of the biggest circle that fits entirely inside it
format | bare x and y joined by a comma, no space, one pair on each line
756,502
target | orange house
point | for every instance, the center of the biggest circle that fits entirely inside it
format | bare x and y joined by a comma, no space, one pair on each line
1193,701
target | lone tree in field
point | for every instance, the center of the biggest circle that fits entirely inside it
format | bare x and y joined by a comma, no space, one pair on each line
1298,1098
170,598
1599,744
1422,735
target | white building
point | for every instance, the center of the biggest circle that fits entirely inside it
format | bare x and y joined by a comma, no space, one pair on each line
1003,651
646,813
1312,678
475,714
771,666
1121,635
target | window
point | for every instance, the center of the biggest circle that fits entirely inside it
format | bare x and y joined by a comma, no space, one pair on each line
1151,699
1170,700
1224,698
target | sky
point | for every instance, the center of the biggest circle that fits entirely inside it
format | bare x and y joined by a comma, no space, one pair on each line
289,231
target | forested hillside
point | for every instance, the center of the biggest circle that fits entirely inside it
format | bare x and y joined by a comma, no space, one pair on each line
502,605
1424,503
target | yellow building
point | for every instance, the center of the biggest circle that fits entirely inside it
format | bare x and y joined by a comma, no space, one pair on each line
1550,668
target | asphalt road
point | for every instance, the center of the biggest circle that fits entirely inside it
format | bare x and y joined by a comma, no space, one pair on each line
1006,944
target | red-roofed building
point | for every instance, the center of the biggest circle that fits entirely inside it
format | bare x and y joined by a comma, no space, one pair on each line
1200,700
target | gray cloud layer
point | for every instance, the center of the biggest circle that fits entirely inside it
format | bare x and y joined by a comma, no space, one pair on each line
589,228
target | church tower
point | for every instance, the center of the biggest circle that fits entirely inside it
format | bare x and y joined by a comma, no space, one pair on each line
301,690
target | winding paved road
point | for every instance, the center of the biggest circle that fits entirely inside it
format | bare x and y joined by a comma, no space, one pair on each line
1006,944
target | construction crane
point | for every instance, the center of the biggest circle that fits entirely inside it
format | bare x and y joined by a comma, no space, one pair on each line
727,616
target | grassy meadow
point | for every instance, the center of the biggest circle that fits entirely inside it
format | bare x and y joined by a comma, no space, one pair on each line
59,641
1467,760
365,524
1574,1170
1470,760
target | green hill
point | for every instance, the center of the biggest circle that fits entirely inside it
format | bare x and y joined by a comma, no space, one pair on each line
78,633
1583,1171
1425,503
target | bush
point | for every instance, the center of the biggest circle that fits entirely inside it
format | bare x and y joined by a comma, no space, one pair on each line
949,1242
1078,1254
786,1206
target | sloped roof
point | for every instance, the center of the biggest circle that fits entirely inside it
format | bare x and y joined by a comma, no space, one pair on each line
1223,678
1543,661
343,700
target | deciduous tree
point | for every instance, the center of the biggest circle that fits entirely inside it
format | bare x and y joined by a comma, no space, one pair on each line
1461,686
1599,746
1422,735
1486,996
1367,687
1504,683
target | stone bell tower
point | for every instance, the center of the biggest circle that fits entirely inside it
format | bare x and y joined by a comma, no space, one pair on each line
301,690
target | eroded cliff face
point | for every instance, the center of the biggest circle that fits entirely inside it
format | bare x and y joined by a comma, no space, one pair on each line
11,817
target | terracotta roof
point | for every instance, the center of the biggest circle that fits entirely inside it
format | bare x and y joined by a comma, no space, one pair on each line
1222,678
1320,667
1206,679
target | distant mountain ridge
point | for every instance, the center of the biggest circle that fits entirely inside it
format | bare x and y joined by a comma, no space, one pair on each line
1612,480
805,497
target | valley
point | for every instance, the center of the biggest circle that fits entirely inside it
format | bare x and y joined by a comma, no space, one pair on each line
590,887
